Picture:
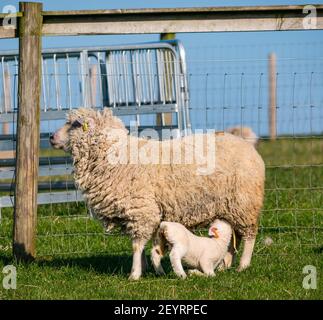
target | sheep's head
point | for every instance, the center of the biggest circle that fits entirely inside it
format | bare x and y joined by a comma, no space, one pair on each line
81,123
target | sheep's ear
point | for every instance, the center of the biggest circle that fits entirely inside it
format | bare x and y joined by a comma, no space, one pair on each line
91,123
107,111
213,232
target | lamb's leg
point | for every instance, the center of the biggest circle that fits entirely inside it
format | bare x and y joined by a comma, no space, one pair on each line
175,259
221,266
195,272
228,259
245,260
207,267
138,246
230,256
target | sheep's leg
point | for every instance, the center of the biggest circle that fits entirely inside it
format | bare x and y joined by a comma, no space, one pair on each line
175,259
245,260
138,248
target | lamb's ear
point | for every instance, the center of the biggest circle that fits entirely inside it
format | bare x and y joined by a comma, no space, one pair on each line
213,232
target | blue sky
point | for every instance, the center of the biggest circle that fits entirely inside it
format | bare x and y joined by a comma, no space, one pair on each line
205,53
221,38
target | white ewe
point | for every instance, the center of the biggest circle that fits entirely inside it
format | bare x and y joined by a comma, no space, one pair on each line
137,196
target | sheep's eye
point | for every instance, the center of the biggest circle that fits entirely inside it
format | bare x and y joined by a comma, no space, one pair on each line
76,124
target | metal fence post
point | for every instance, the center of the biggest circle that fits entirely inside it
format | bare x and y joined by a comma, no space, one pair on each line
272,96
28,123
166,118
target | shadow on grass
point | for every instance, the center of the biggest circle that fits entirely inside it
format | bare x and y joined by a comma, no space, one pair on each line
105,264
318,250
108,264
5,259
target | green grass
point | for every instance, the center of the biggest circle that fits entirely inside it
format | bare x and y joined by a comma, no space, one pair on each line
76,260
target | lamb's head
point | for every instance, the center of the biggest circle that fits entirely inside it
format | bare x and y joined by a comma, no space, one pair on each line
220,229
82,123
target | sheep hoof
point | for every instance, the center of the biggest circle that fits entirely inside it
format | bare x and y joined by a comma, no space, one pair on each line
182,276
160,273
242,268
134,277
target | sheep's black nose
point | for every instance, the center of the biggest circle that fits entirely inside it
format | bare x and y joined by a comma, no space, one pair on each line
51,137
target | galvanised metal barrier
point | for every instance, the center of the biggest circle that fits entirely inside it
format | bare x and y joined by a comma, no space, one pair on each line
137,81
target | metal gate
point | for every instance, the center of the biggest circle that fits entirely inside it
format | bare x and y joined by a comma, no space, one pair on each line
137,81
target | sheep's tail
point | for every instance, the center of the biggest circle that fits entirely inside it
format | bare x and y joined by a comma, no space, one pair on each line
245,133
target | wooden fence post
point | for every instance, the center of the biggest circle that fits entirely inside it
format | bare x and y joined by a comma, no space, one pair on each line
7,98
166,118
28,123
272,96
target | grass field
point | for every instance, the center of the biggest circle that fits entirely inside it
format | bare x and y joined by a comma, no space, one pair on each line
76,260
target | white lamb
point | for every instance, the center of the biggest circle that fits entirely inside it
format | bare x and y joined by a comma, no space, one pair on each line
202,253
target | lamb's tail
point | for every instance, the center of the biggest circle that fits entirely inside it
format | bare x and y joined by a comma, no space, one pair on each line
245,133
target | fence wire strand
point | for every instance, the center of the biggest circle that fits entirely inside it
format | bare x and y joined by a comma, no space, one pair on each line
223,93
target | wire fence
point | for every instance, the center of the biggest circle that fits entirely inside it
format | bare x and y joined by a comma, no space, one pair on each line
224,91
